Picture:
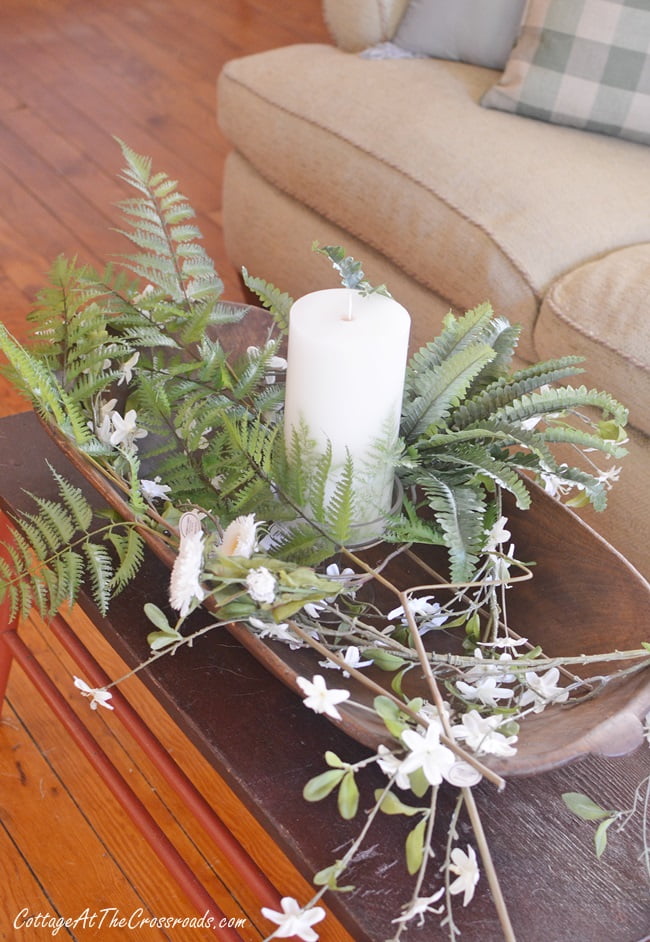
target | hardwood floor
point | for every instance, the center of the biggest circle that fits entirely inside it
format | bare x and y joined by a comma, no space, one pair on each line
75,74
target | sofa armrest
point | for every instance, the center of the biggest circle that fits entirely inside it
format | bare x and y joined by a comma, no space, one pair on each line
361,23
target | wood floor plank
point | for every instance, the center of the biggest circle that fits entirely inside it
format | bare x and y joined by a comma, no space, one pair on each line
110,823
229,808
19,888
91,878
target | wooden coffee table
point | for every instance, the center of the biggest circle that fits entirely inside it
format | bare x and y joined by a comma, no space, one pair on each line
236,713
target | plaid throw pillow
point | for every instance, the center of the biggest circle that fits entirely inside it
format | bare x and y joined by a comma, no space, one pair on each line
584,63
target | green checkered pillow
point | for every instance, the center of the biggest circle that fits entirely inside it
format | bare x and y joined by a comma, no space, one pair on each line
585,63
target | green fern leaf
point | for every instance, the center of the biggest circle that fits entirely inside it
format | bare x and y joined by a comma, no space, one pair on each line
73,499
278,303
100,569
439,391
460,513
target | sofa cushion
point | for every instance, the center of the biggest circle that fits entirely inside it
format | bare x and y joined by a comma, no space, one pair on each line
584,63
472,203
470,31
602,311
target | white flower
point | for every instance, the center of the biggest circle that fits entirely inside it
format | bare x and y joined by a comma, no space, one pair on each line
351,656
647,727
98,696
426,752
153,489
125,430
485,691
126,371
609,477
493,667
239,538
424,607
497,535
319,699
294,921
542,690
420,906
333,572
184,585
261,585
391,766
482,736
466,867
103,426
280,632
504,643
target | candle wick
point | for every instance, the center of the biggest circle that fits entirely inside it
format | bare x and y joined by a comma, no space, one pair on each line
349,314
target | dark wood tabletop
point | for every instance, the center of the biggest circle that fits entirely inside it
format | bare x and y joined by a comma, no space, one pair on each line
266,745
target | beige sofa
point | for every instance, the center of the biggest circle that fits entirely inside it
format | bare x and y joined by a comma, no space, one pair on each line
450,204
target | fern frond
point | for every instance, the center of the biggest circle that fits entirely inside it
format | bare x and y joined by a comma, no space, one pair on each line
278,303
74,501
341,505
460,513
456,334
506,390
100,570
562,400
476,461
556,434
439,391
129,547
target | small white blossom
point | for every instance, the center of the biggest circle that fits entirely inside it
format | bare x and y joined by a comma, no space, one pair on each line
504,643
260,584
294,921
102,427
281,632
240,537
543,689
485,691
126,370
465,866
609,477
98,696
423,607
125,431
426,752
493,667
154,489
351,656
392,766
496,536
184,585
481,733
420,906
333,572
319,698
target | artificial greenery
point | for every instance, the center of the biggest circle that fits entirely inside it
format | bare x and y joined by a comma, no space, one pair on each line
134,368
213,422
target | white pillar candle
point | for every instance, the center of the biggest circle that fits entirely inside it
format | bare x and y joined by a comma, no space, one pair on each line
345,381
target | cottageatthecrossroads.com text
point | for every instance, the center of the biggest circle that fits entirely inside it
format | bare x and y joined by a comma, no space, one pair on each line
112,918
